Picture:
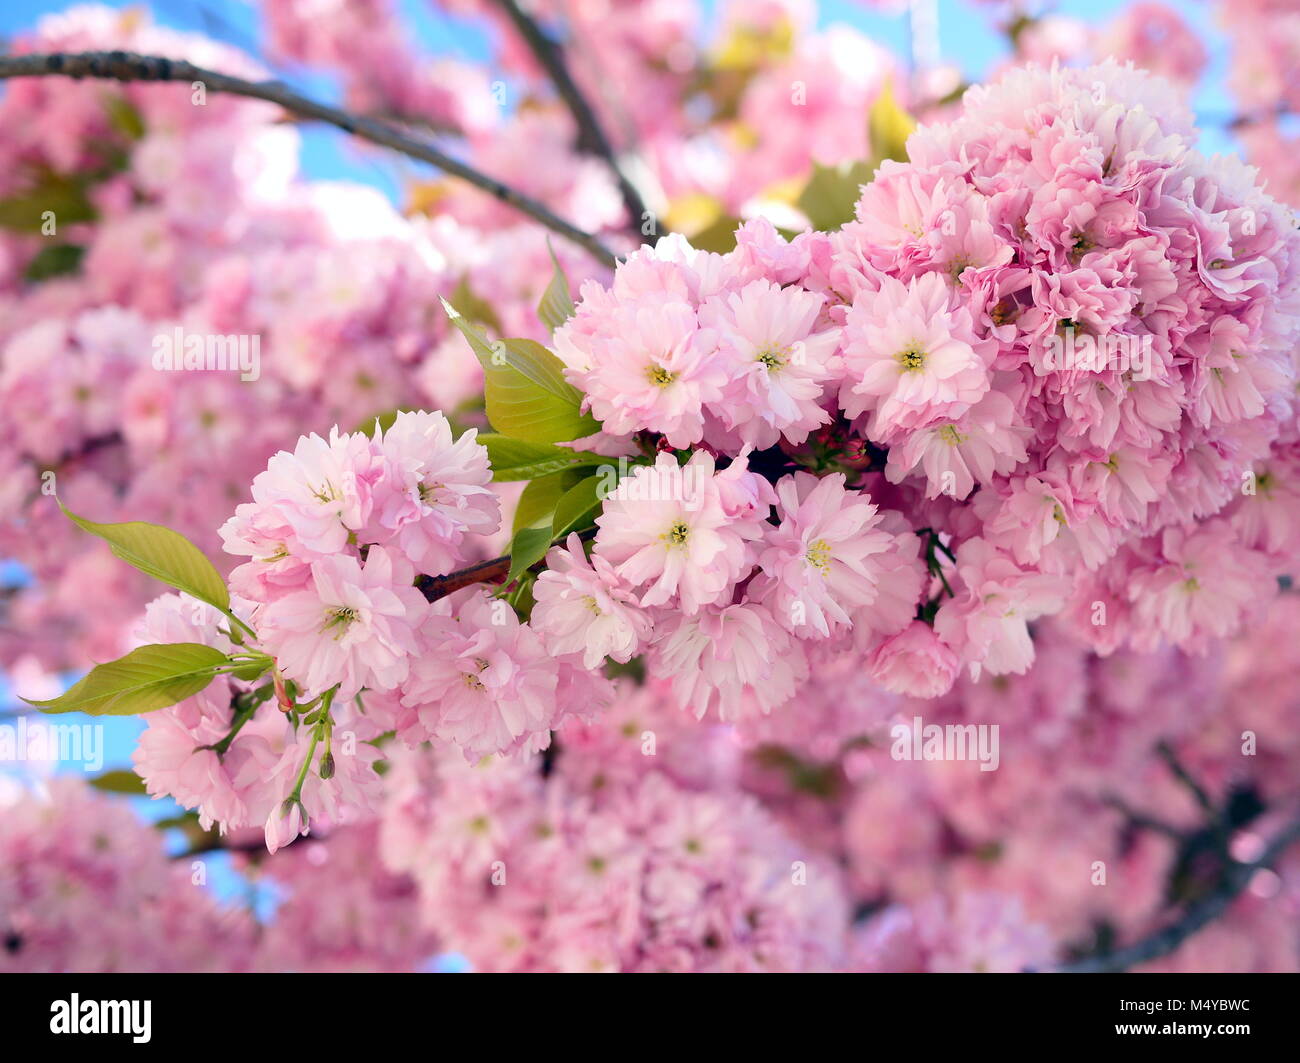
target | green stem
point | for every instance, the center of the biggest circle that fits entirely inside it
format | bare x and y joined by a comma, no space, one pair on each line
246,706
230,613
322,728
241,718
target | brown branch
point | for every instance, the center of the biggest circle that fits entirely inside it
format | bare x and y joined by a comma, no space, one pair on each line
127,66
435,587
493,571
591,135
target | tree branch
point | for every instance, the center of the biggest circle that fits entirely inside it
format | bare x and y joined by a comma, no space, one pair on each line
591,135
493,571
435,587
1233,880
127,66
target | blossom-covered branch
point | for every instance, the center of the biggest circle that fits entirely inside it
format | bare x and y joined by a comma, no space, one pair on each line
126,66
860,549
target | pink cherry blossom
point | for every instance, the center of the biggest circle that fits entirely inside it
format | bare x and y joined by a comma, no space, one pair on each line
819,559
435,492
911,357
583,607
353,625
666,526
915,662
483,681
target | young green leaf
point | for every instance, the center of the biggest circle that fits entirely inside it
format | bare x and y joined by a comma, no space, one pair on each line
119,782
254,669
54,260
472,307
527,548
527,395
578,507
124,117
556,306
536,506
719,236
515,459
147,678
889,126
163,554
521,598
66,199
831,195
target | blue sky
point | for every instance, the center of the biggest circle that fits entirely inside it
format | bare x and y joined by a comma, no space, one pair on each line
965,36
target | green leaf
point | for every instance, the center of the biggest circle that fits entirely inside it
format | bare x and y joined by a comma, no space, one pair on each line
251,670
578,507
527,395
889,127
119,782
831,195
472,307
54,260
536,507
184,820
148,678
634,669
556,306
521,597
527,548
718,236
124,117
64,197
191,829
164,554
515,459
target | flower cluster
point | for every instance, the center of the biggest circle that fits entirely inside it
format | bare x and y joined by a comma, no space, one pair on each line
237,767
597,871
892,459
1013,448
74,863
1057,344
726,583
337,532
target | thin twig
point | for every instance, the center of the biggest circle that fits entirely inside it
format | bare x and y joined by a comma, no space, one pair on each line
591,135
127,66
1197,791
